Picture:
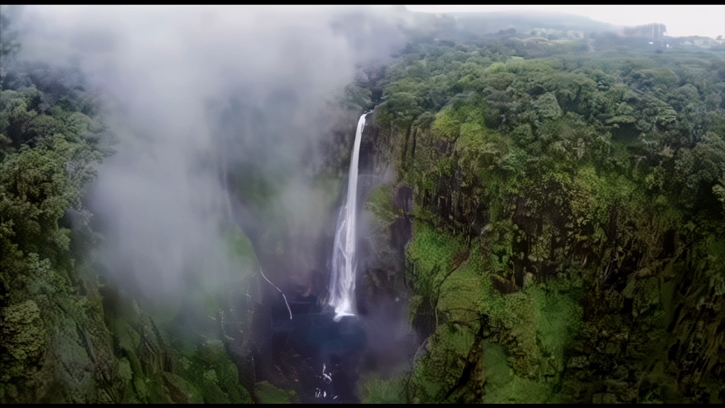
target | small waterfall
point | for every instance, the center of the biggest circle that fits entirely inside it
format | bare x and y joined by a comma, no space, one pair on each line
342,278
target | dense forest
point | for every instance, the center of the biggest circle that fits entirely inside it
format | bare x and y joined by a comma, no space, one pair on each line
567,217
545,204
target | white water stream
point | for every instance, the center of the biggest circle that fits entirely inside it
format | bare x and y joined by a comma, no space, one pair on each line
342,278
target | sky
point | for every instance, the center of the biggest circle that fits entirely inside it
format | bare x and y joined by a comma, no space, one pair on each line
681,20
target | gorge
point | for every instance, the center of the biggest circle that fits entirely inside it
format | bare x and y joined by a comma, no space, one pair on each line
310,205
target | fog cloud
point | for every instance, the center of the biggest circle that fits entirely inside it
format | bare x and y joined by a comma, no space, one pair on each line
193,93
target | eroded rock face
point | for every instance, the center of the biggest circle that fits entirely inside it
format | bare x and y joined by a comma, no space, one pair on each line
562,319
57,351
63,347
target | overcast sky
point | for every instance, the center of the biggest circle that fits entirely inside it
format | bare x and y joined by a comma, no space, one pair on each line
681,20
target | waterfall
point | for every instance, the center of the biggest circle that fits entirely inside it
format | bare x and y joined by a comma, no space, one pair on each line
342,278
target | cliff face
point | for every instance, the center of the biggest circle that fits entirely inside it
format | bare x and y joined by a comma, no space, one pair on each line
70,330
90,342
542,220
542,287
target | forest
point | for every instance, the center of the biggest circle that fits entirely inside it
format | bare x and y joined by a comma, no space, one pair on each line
543,212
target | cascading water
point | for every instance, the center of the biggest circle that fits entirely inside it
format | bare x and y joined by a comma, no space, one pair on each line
342,278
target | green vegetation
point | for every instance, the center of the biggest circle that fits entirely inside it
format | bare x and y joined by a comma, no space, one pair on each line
52,315
269,394
568,230
376,390
67,335
569,208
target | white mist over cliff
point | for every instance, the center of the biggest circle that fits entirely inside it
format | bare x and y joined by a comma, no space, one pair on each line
195,91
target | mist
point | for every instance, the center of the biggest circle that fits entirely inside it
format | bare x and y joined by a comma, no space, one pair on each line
191,93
